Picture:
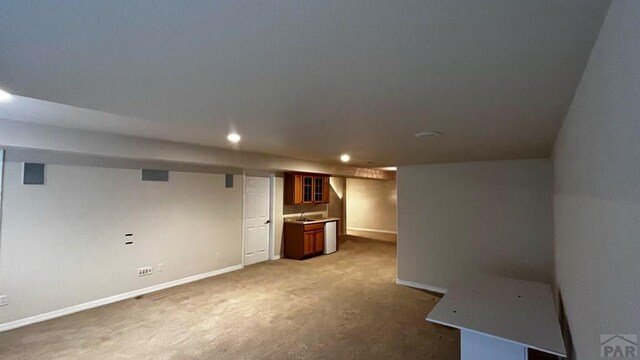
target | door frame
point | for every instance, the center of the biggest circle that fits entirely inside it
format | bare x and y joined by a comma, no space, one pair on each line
272,209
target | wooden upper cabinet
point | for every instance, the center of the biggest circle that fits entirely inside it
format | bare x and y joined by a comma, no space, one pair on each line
326,195
307,189
297,189
318,189
304,188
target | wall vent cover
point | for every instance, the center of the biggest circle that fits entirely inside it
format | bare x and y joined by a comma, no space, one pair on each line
33,174
155,175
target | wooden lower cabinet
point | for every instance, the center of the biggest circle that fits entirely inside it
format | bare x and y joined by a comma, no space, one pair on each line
302,241
309,243
318,235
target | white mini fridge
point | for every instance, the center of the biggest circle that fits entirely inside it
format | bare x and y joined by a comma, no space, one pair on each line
330,237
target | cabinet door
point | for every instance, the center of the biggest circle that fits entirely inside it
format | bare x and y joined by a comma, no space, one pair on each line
307,189
319,241
309,237
297,189
327,189
318,189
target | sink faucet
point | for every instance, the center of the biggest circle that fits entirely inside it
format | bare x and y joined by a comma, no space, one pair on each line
302,216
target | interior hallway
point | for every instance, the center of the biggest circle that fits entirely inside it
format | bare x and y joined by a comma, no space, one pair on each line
341,306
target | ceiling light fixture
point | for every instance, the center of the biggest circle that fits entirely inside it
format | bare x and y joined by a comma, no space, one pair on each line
5,96
427,134
345,157
233,138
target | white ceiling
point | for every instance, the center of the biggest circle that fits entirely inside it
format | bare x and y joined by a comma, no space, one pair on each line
305,79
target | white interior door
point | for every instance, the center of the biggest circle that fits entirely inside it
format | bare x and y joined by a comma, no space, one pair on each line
256,220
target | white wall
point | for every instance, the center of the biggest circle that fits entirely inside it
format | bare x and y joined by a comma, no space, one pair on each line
336,206
62,244
465,219
597,189
371,204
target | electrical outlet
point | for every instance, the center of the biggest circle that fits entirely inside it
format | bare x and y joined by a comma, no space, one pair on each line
3,300
144,271
160,267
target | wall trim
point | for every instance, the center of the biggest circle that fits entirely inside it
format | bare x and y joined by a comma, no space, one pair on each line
112,299
276,257
416,285
272,217
371,230
31,136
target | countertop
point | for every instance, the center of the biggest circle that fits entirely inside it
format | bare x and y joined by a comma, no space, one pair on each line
514,310
310,221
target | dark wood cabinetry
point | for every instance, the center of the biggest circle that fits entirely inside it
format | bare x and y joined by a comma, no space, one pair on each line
304,188
303,240
308,243
318,236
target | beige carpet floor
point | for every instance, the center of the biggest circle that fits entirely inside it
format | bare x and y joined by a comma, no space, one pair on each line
341,306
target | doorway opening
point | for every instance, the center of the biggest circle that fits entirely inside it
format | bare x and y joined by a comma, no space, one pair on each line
371,209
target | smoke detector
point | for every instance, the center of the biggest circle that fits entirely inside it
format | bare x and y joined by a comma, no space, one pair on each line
427,134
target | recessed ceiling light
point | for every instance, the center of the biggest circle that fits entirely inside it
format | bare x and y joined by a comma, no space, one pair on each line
5,96
345,157
427,134
234,138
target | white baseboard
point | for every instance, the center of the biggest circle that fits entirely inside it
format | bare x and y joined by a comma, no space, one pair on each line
277,257
372,230
111,299
416,285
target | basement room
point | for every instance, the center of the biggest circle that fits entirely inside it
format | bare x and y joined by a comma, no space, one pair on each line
215,179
